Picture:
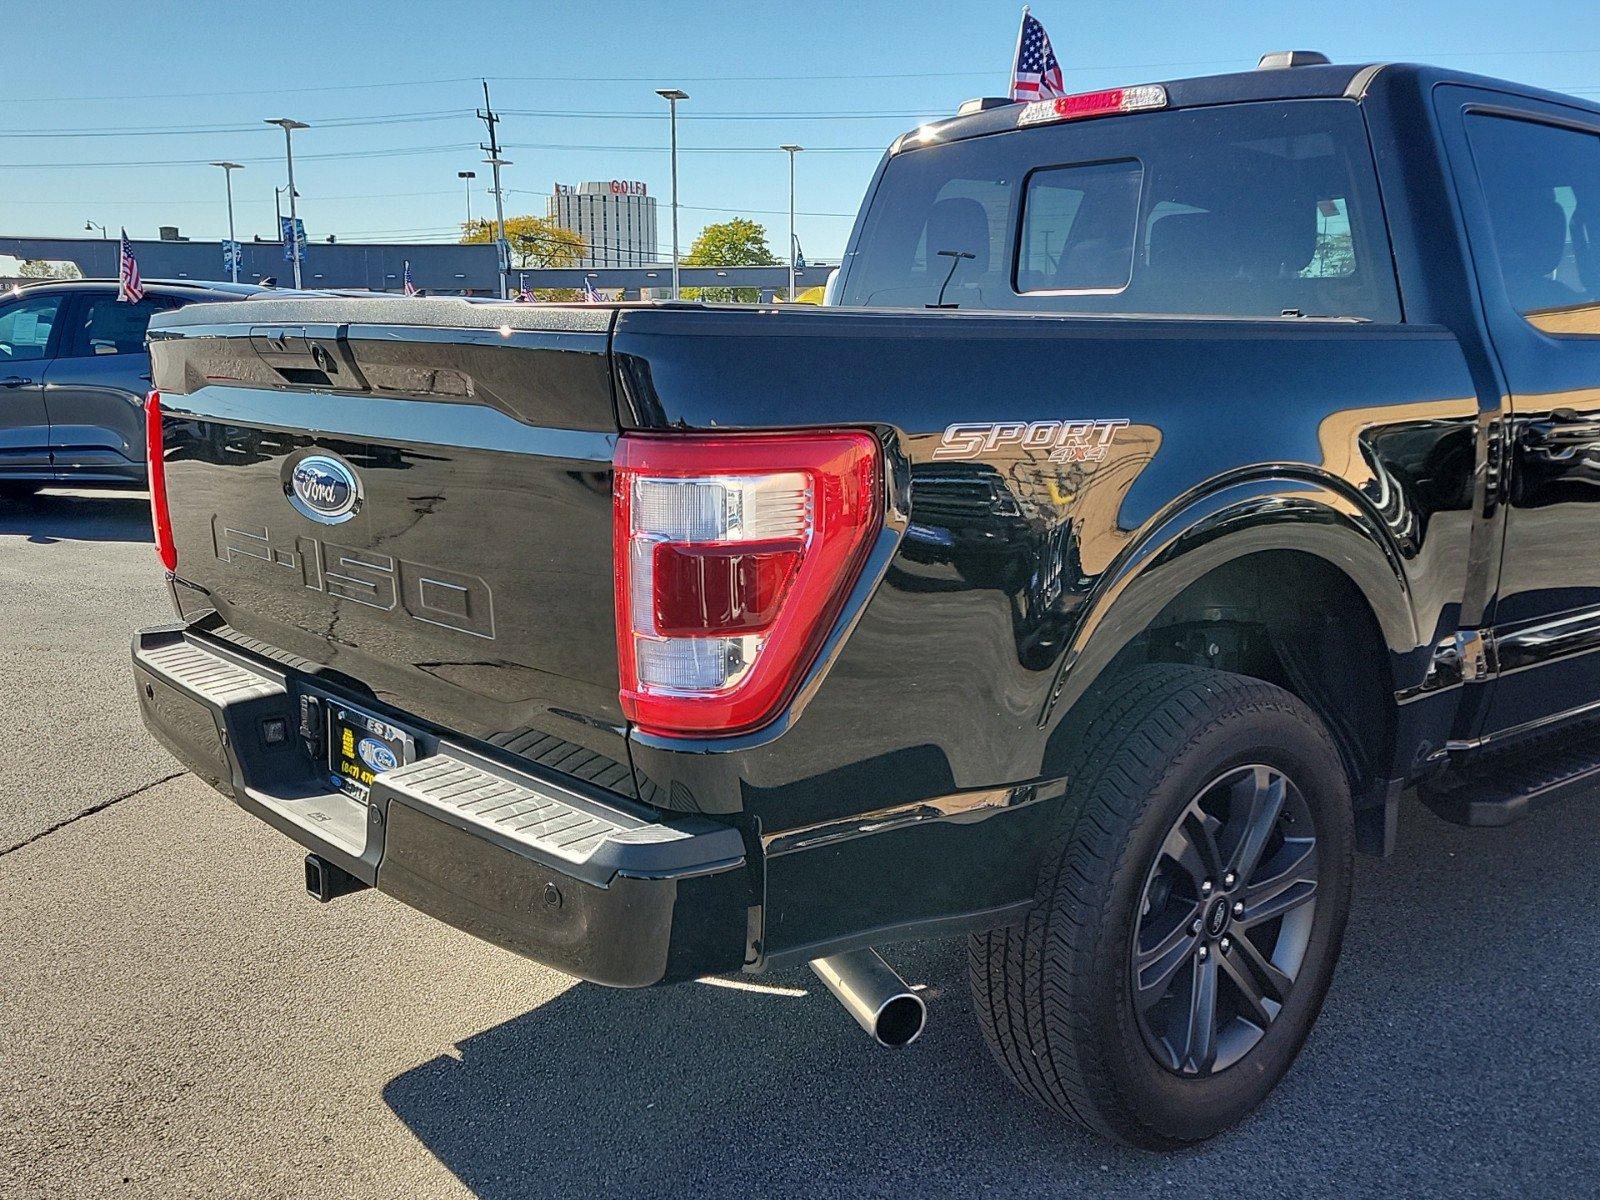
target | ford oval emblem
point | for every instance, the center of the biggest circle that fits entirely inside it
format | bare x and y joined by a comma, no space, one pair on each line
324,488
376,755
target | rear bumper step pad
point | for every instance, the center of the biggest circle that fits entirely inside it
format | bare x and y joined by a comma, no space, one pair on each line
530,861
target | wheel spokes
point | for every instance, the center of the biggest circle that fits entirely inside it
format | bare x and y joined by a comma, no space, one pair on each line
1192,844
1291,882
1209,935
1261,986
1200,1043
1155,969
1256,812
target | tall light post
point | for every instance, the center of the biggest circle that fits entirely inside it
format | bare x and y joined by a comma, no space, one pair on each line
791,151
228,168
466,178
289,125
672,96
504,247
91,226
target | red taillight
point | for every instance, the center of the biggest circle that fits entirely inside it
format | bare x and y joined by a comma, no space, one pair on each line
733,557
155,456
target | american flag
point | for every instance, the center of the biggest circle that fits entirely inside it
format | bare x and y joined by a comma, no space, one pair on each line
524,292
129,289
409,286
590,296
1037,75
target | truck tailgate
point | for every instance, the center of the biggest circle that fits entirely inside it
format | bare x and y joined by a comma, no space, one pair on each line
409,498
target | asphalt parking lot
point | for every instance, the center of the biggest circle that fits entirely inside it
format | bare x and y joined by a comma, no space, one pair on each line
179,1019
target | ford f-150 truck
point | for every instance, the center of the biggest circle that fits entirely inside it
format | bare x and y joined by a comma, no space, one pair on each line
1182,473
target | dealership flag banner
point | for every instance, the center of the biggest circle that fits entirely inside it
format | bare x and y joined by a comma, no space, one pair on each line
590,296
293,232
409,285
1036,75
524,292
129,289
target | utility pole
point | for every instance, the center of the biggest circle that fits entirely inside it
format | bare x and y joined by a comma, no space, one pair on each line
672,96
791,151
486,114
467,177
289,125
228,168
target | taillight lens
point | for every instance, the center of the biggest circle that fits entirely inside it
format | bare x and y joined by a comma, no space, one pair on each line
155,456
734,555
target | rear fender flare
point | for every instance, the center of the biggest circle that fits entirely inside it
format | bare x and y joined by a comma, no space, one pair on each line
1196,537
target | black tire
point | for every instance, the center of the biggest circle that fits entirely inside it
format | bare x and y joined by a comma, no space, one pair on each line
1055,993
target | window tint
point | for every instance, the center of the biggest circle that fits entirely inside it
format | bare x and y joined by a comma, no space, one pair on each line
25,327
106,325
1078,227
1542,188
1237,210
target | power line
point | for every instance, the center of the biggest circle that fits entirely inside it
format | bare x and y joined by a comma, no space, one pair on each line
255,127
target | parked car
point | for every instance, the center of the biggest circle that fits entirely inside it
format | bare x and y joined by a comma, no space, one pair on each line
1187,471
74,372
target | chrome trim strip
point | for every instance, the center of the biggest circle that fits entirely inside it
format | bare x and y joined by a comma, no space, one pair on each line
970,806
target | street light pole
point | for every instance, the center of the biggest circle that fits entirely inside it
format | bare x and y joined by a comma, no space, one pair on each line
672,96
791,151
228,168
91,226
466,178
289,125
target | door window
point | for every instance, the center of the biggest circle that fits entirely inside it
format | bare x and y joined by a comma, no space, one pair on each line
1541,185
25,328
106,325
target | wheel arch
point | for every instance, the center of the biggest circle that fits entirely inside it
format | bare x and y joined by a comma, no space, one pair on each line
1291,580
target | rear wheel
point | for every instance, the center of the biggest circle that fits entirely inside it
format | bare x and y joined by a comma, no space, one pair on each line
1189,910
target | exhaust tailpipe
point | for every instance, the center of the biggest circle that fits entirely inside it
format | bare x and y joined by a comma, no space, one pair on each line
874,995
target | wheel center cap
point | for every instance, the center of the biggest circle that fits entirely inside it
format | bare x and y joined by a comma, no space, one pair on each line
1217,918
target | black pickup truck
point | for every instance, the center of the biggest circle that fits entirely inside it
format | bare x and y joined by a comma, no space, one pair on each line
1184,472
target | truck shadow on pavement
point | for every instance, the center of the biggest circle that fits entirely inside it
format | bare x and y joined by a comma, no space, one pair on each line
78,516
1454,1056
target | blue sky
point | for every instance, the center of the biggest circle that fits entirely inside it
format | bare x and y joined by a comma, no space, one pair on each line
389,89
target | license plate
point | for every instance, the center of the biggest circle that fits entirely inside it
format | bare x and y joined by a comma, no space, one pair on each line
360,746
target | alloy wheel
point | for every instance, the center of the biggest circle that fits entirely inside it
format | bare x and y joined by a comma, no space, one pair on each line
1224,920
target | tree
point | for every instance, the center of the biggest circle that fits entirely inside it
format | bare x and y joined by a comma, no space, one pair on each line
535,242
44,268
736,243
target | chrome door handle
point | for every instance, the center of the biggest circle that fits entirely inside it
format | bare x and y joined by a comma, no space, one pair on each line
14,381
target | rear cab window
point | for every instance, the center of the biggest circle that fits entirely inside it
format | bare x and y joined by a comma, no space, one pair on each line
1245,210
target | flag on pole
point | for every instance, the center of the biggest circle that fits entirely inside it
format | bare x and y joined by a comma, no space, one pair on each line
1037,74
590,296
129,289
524,292
409,286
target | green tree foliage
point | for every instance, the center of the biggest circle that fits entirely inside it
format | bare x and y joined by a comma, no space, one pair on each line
44,268
736,243
535,242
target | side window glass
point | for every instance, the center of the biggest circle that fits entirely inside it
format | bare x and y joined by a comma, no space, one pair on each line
1541,184
25,328
107,325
